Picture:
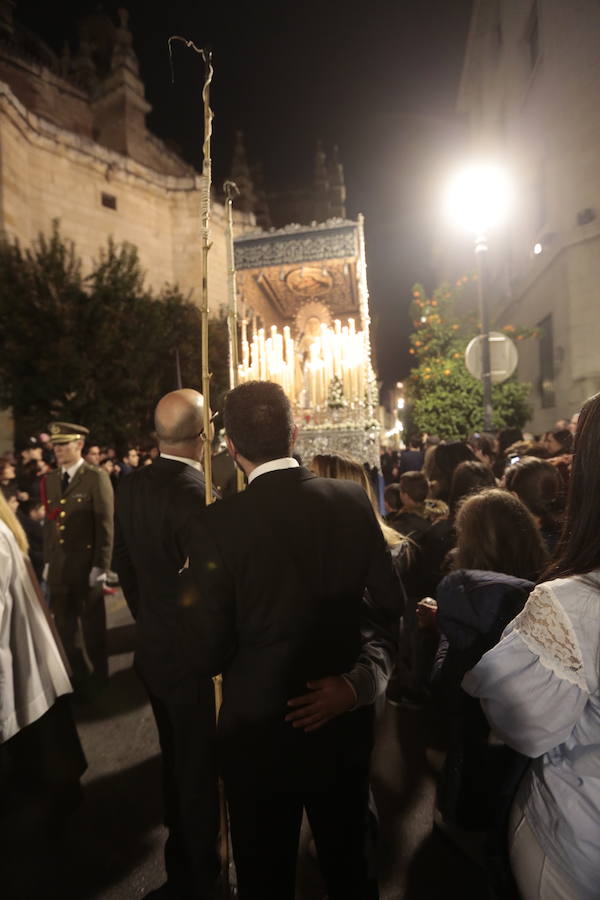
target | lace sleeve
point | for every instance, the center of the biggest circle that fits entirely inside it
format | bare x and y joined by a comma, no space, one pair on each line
547,631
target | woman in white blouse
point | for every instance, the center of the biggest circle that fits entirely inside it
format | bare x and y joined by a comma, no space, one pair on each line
539,688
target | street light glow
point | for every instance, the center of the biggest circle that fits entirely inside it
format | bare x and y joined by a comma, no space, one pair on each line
479,197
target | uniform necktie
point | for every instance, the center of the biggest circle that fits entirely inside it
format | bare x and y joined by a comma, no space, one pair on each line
65,481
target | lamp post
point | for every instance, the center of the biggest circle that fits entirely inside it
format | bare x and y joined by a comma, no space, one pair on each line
478,199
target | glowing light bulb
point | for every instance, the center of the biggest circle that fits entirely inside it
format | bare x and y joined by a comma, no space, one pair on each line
479,197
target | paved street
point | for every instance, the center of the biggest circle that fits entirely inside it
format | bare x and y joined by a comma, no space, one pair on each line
112,847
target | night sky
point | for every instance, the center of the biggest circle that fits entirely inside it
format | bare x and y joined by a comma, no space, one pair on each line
379,79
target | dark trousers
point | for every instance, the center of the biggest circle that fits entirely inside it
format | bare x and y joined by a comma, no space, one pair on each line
265,829
187,740
80,617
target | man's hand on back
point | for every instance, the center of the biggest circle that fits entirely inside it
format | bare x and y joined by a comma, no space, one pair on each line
328,698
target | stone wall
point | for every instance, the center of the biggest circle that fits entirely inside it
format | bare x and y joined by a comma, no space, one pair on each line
49,173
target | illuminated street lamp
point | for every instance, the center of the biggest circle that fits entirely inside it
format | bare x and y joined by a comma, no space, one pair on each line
478,199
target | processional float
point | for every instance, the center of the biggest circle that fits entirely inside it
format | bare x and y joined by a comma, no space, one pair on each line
303,296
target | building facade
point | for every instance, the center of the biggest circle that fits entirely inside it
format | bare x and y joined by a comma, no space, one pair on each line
74,147
530,88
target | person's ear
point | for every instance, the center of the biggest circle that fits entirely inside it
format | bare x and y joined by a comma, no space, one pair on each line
230,447
294,436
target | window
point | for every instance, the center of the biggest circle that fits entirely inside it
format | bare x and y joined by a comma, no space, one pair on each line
109,200
547,363
532,35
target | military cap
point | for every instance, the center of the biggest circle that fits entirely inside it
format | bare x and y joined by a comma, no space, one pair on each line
64,432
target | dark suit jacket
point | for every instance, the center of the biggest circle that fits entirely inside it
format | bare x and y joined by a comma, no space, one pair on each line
277,578
154,508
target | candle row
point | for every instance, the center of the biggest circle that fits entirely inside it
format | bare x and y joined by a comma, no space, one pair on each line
306,371
340,353
270,359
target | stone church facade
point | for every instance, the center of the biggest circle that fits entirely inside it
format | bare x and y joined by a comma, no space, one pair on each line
74,146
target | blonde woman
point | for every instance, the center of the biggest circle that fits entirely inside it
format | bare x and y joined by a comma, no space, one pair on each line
37,734
341,465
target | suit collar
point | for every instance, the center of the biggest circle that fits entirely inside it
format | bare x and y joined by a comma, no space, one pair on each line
183,459
163,462
72,470
299,473
273,465
76,477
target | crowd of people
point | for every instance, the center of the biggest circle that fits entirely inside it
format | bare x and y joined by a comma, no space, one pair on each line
473,595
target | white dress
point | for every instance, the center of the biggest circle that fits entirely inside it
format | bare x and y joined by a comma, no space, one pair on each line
539,688
32,674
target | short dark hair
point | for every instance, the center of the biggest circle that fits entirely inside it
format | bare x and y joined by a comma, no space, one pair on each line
258,419
391,495
414,484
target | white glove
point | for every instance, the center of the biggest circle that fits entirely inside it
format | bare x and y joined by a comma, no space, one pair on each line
45,571
97,576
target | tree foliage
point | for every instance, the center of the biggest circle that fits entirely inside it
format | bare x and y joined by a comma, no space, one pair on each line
444,399
100,349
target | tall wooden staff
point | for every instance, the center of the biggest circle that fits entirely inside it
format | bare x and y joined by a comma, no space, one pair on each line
231,192
206,245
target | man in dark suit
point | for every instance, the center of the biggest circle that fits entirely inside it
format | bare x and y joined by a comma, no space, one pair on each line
78,540
412,459
154,508
275,601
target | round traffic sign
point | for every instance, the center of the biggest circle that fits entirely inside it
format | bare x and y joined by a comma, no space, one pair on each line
503,356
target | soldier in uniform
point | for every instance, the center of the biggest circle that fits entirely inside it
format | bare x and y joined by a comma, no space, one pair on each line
78,541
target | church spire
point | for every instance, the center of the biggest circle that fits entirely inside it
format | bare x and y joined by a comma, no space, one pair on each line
123,52
240,173
261,210
120,105
337,191
321,185
84,66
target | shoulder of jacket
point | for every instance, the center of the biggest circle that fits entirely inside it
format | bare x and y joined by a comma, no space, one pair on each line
93,470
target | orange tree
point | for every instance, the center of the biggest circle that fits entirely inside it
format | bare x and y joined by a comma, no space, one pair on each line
443,397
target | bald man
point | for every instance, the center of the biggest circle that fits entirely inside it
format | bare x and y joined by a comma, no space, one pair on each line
154,508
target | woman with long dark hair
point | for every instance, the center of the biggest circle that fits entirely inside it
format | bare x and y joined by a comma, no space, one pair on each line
539,688
538,484
440,464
